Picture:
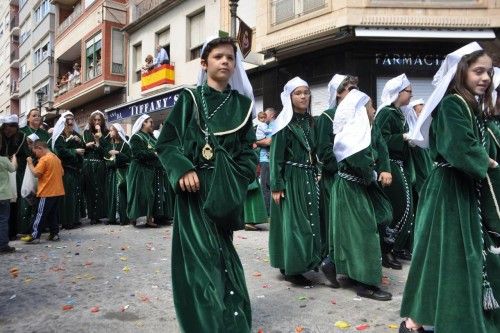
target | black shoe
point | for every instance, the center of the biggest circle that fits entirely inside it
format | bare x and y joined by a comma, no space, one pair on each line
53,238
389,261
93,222
7,249
299,280
403,254
328,268
374,293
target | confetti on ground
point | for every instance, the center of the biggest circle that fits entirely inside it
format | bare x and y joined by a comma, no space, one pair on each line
56,268
28,280
124,308
261,296
267,286
393,326
123,258
333,302
357,299
67,307
94,309
302,298
88,263
386,281
126,269
362,327
260,330
299,329
144,298
14,272
342,324
241,237
257,274
13,296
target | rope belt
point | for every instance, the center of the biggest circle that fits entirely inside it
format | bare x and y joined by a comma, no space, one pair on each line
353,178
205,166
92,160
398,162
300,165
443,165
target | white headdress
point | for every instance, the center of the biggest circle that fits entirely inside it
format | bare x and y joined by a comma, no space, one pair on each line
138,123
410,114
93,113
420,134
351,125
59,127
33,137
287,113
333,86
11,119
392,89
496,83
239,80
121,131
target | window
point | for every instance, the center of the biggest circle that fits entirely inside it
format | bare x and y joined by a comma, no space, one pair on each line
137,61
41,53
23,70
25,33
93,56
197,35
286,10
163,39
42,10
117,52
22,3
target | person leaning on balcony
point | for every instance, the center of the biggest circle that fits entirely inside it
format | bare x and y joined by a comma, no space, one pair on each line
149,65
161,56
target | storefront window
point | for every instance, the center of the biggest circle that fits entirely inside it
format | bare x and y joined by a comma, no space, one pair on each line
93,57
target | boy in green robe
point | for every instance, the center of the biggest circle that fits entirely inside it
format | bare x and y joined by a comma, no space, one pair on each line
454,279
205,146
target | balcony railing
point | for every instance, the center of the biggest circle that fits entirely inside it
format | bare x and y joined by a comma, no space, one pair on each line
117,68
145,6
67,86
14,22
77,12
14,87
14,55
163,74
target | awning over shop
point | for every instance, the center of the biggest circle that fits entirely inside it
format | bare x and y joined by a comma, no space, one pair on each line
159,102
424,33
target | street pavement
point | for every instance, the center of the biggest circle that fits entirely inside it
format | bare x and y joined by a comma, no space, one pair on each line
117,278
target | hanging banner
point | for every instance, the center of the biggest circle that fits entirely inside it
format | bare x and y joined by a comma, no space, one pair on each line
244,38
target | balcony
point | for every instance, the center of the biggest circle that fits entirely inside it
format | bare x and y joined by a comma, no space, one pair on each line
14,58
158,77
14,24
77,12
14,89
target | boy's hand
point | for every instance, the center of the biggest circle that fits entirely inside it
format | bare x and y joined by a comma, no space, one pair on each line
385,179
29,160
190,182
277,195
80,151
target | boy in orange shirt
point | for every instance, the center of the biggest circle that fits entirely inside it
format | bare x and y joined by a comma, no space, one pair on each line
49,172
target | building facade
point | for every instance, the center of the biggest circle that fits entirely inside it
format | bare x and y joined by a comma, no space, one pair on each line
373,39
36,56
9,60
90,55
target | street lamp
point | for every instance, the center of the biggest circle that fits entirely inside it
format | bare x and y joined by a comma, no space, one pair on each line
39,96
233,5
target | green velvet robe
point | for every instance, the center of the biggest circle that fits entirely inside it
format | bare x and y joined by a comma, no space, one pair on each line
148,190
116,187
209,288
69,208
325,137
26,211
391,123
444,287
294,233
422,164
94,176
254,209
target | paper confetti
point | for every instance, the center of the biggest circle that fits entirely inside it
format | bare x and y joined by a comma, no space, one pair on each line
124,308
362,327
13,296
342,324
126,269
67,307
94,309
299,329
257,274
302,298
123,258
14,272
393,326
333,302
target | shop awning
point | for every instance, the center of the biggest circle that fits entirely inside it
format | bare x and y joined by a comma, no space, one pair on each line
424,33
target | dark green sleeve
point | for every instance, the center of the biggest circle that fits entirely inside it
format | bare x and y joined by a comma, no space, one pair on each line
386,123
324,131
361,164
247,158
67,155
170,145
140,150
277,160
378,143
123,158
456,140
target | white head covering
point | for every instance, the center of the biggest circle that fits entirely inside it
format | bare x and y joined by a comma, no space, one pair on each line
420,134
11,119
138,123
351,125
239,80
59,127
286,113
33,137
410,114
156,134
496,83
333,85
392,89
121,131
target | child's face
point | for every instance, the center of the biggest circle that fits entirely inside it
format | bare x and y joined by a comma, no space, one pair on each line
262,118
220,63
418,109
38,152
478,78
300,98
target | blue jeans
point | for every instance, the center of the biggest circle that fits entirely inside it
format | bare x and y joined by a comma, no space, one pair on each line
4,222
